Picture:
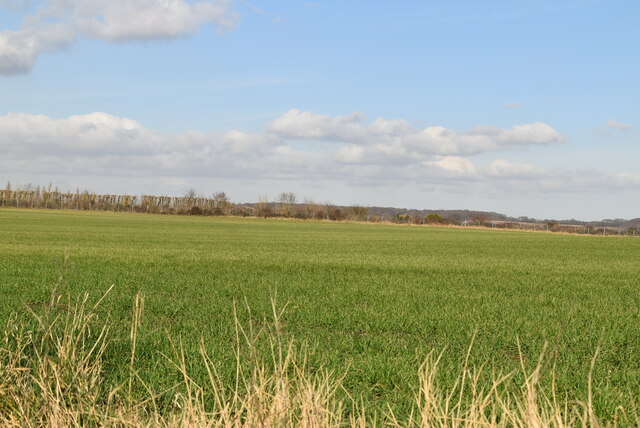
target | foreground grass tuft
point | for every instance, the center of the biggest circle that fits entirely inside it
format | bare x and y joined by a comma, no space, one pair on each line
51,374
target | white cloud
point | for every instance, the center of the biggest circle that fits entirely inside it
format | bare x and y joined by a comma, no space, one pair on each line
501,168
396,137
525,178
127,20
103,144
298,124
96,133
57,23
100,144
625,180
615,124
20,49
350,154
456,164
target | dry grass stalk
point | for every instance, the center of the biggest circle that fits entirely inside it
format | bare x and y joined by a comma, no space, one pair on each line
51,376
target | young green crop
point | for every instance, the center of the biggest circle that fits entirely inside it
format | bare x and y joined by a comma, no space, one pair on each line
370,301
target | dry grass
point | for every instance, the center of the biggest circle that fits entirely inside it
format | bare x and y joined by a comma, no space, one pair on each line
51,375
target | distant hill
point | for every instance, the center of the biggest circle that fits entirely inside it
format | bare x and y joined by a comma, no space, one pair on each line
459,216
456,215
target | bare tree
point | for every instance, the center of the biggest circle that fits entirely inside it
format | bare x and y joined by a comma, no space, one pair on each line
191,193
358,213
286,200
221,202
309,208
263,209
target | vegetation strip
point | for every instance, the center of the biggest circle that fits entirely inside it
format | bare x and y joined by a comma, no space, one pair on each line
287,206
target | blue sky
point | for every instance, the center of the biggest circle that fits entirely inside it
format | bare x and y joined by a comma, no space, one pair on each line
523,107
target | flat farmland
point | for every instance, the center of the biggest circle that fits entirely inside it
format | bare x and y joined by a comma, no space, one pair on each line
368,302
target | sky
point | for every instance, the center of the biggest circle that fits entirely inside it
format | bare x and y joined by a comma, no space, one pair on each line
525,107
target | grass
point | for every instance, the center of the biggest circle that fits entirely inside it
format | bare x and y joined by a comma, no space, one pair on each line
52,375
367,302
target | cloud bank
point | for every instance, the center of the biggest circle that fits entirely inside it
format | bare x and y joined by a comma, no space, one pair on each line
361,152
396,137
57,24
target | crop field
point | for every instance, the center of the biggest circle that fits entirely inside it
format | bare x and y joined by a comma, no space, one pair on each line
368,302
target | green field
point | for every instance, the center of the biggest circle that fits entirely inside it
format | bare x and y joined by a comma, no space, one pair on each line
368,300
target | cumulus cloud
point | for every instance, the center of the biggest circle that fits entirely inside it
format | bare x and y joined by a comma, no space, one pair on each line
95,134
57,23
501,168
100,144
520,177
20,49
127,20
587,181
615,124
437,139
298,124
455,164
398,137
626,180
350,154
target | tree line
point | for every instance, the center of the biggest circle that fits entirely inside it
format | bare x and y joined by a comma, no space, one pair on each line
285,205
52,198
